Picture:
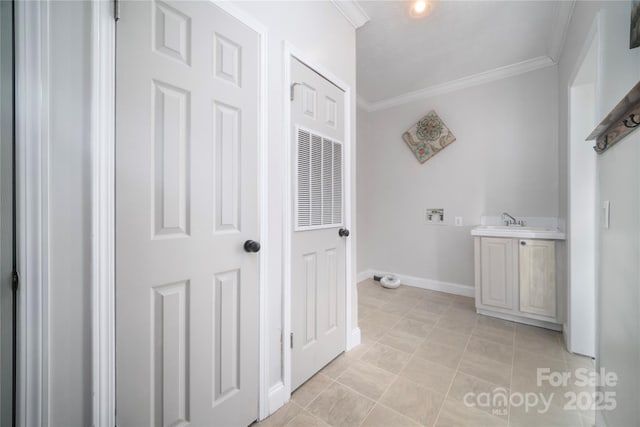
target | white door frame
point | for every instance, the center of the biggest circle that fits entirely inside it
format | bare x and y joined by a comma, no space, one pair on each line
352,335
32,112
592,37
32,185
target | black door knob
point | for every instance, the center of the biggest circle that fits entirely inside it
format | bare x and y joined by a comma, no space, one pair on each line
343,232
251,246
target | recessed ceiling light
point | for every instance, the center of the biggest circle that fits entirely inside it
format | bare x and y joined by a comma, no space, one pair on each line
420,8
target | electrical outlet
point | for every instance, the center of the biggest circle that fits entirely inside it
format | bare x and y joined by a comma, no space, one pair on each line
434,216
458,221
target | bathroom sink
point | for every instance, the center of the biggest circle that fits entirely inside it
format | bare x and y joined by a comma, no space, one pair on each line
518,231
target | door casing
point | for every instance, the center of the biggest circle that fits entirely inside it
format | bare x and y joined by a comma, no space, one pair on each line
352,334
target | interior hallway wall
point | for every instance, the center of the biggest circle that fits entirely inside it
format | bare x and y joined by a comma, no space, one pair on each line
504,159
330,42
618,247
69,371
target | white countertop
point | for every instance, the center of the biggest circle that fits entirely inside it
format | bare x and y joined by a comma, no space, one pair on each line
518,232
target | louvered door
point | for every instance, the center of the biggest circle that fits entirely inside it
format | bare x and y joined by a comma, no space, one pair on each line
318,252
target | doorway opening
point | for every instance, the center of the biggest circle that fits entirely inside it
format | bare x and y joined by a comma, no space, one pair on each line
581,315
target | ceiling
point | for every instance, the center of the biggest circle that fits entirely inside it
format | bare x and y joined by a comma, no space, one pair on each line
398,55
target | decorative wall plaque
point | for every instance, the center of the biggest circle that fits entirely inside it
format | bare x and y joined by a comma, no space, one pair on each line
428,137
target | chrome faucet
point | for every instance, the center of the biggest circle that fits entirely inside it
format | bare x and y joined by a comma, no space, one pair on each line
510,221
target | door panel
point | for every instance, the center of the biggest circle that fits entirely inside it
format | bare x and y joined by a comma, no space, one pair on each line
318,252
186,201
499,271
537,277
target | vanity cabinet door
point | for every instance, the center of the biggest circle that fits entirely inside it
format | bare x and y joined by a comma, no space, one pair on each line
499,274
537,277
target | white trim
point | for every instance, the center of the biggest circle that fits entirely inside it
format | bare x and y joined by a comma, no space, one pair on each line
277,397
364,275
352,334
591,37
463,83
352,11
32,168
419,282
520,319
563,12
103,50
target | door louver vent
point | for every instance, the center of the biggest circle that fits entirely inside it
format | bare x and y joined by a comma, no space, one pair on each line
319,181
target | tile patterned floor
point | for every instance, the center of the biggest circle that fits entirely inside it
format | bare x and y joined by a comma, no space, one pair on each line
422,353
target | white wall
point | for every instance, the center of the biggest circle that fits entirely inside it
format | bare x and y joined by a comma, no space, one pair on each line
504,159
319,30
618,248
69,209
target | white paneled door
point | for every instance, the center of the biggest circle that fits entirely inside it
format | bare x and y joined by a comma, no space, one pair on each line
187,294
319,238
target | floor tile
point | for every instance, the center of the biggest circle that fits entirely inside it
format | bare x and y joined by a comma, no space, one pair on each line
486,369
282,416
414,401
338,366
382,416
311,389
400,340
440,353
499,336
339,406
386,358
491,350
423,316
454,413
305,419
366,379
449,338
467,389
413,327
428,374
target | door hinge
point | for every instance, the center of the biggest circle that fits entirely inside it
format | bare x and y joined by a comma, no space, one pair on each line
116,10
15,280
291,340
292,89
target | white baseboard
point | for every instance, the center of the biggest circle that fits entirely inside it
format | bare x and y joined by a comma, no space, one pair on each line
418,282
354,340
364,275
520,319
277,397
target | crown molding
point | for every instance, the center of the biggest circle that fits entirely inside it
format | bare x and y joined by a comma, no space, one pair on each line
463,83
352,11
362,103
563,13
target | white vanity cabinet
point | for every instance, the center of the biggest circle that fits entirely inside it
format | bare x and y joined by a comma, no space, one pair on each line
516,280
